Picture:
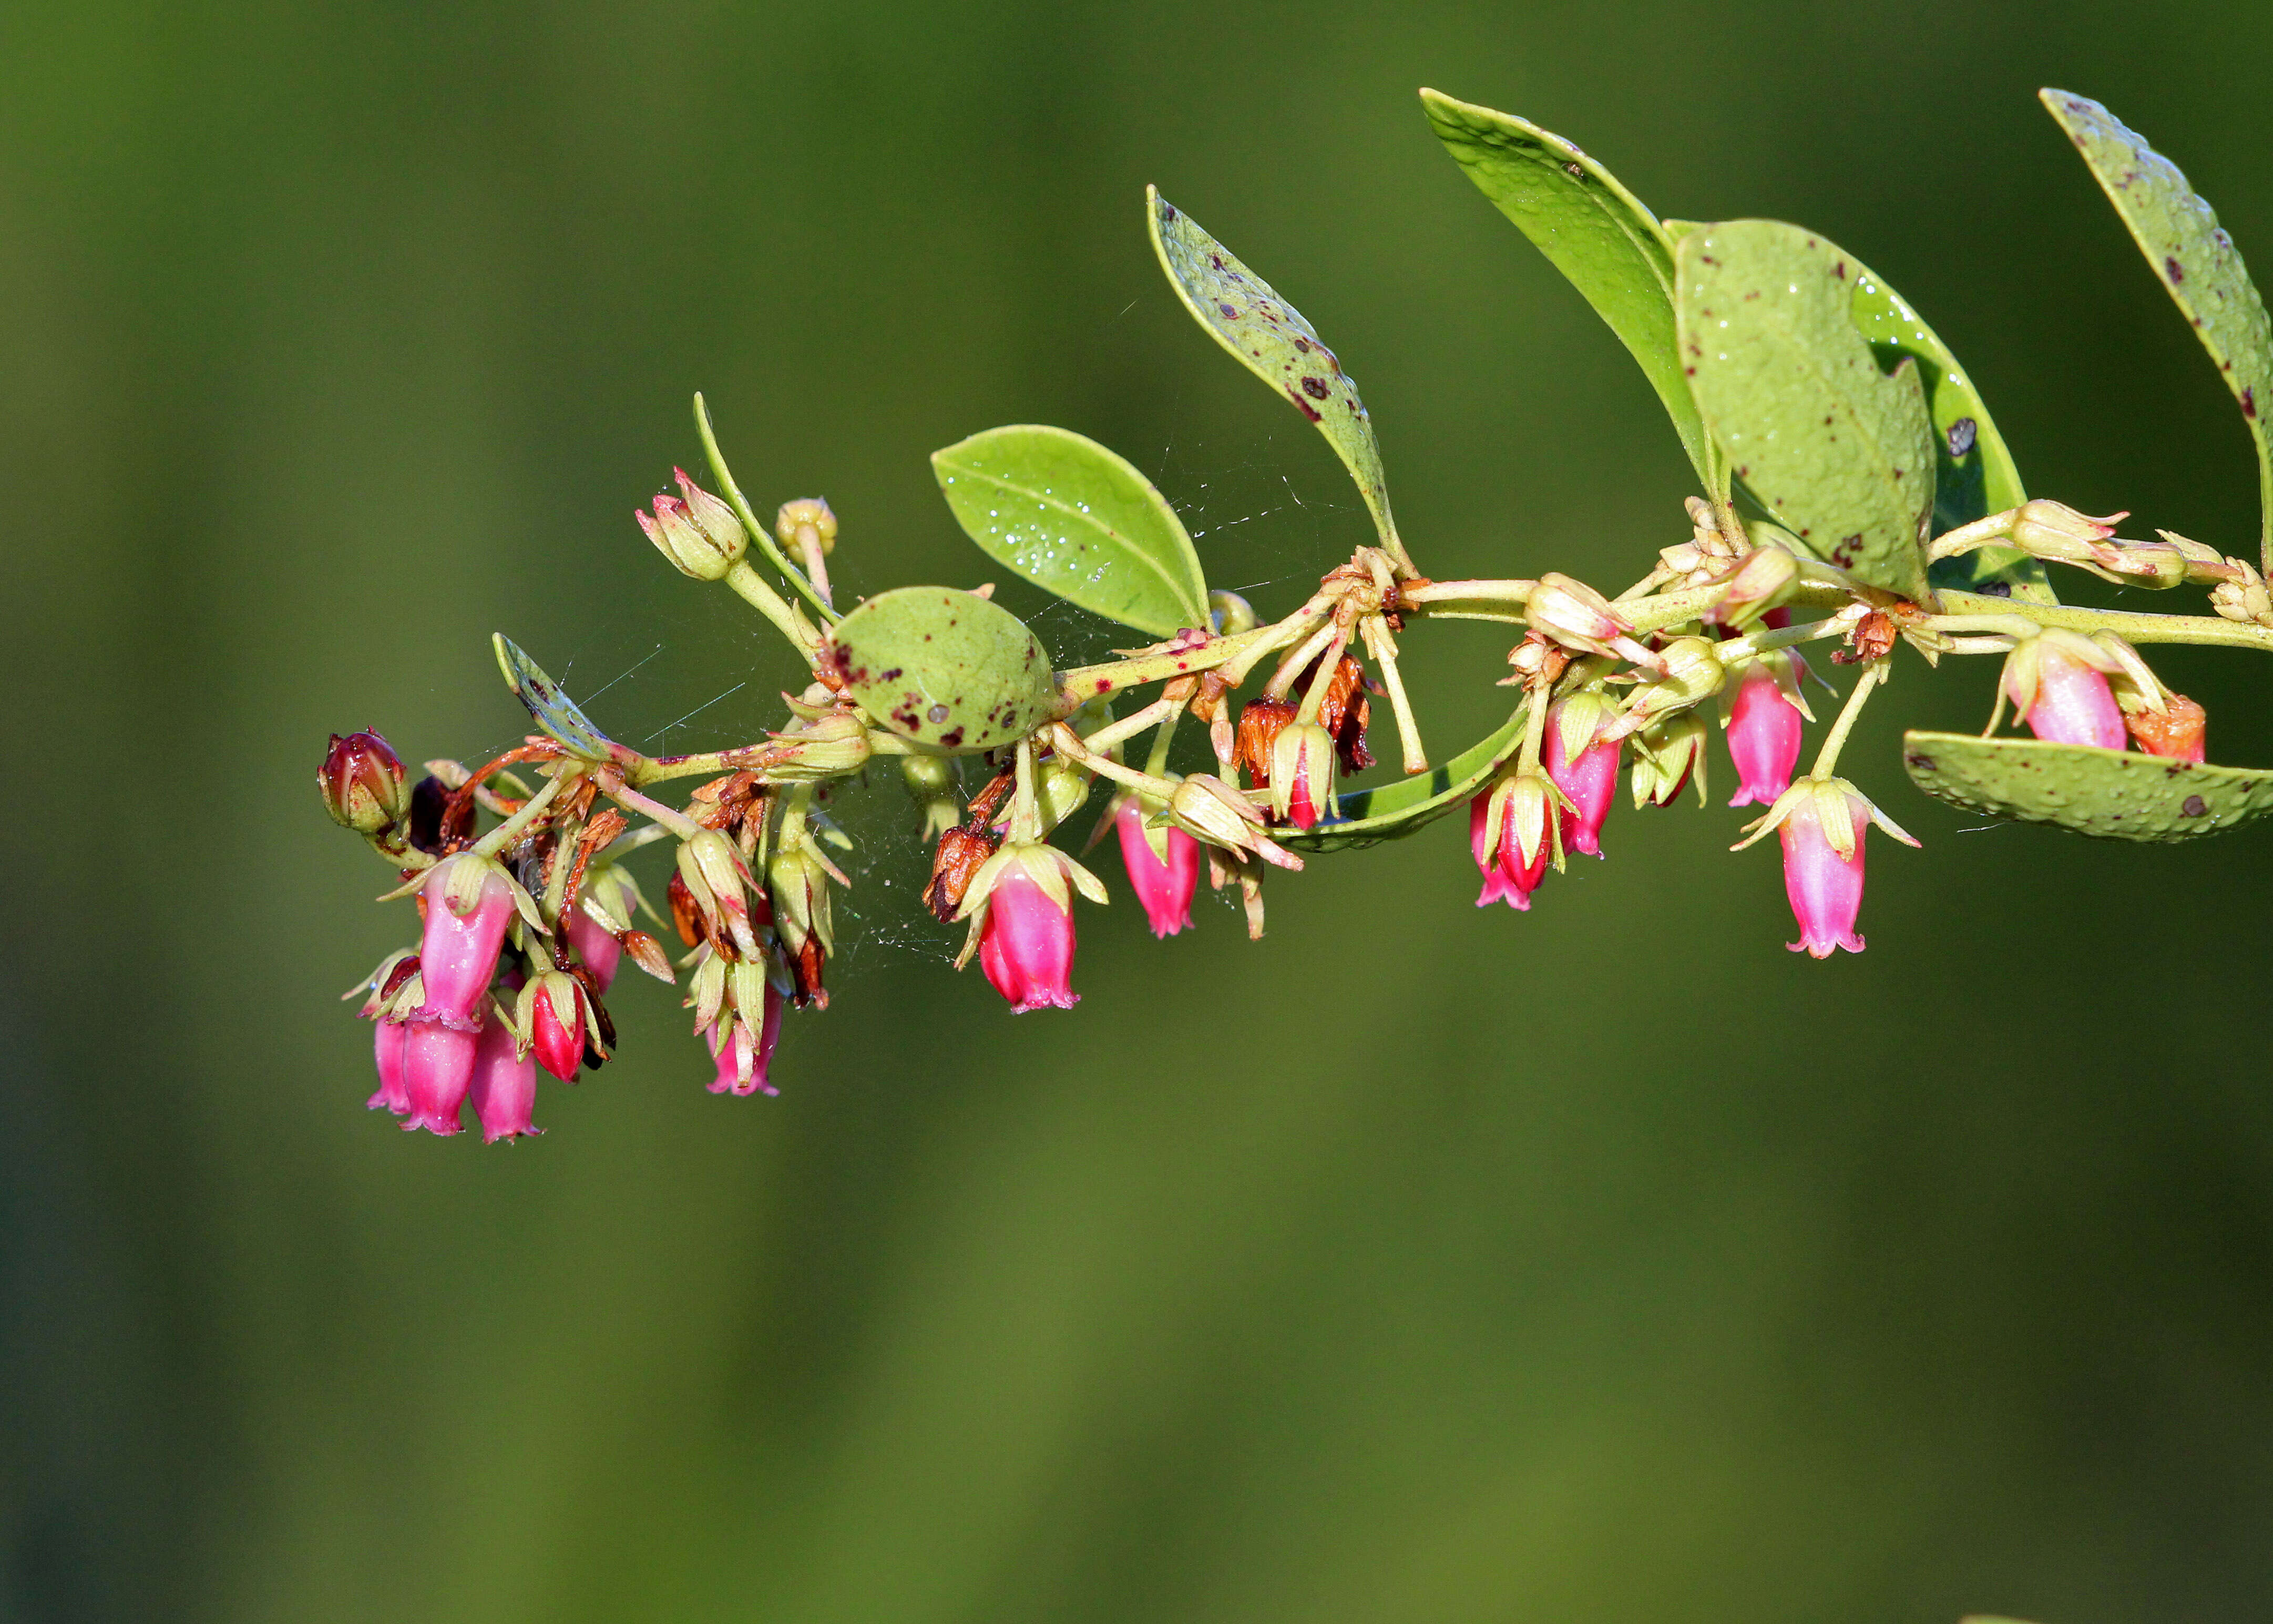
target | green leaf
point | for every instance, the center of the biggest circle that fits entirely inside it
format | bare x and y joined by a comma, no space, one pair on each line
945,669
1840,452
1074,519
1596,233
1974,472
1244,314
554,711
1363,818
2195,262
2112,794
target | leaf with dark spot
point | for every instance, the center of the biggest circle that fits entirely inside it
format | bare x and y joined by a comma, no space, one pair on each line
2202,271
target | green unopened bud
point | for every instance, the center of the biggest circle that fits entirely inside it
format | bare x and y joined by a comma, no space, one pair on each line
799,882
719,882
1762,581
931,781
1667,757
699,534
1230,614
1694,672
828,747
1060,787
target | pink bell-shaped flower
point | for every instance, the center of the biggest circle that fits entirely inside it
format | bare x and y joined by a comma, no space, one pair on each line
438,1068
503,1088
2075,703
1164,888
393,1094
1764,733
2058,681
1587,774
1027,944
1522,814
468,904
1822,823
1825,887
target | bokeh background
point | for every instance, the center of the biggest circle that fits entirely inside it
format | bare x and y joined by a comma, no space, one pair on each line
1416,1264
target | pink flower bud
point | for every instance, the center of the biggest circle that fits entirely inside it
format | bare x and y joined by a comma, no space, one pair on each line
504,1085
1826,888
1764,736
438,1068
1164,888
2074,703
1589,779
743,1057
558,1044
459,952
1507,877
596,946
1026,945
393,1035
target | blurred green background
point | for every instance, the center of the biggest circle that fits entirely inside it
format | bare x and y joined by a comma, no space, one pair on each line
1416,1264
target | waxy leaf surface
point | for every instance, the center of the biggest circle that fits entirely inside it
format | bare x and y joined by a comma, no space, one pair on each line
2192,257
2112,794
1246,316
1839,451
1073,518
1363,818
944,669
1974,474
1596,233
553,711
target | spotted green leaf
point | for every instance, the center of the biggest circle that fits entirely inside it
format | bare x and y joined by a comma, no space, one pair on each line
946,670
1596,233
2114,794
2192,256
553,711
1245,314
1072,517
1840,452
1363,818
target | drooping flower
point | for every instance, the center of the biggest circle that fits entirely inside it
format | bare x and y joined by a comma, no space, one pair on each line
1163,883
504,1085
1821,823
1764,726
438,1068
393,1094
1020,905
2058,681
742,1039
1584,766
1512,833
469,903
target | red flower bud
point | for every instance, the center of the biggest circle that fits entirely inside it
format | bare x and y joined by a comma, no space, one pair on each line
361,784
1509,875
2179,732
557,1014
